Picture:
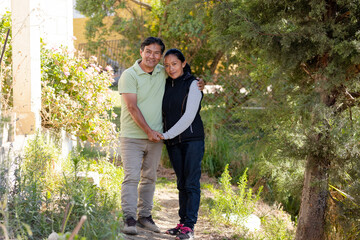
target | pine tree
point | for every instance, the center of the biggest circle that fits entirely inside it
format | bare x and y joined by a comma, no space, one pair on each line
313,47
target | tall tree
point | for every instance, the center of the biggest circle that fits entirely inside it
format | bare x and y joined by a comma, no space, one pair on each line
313,48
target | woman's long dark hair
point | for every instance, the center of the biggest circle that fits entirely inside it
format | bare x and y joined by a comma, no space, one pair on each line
180,56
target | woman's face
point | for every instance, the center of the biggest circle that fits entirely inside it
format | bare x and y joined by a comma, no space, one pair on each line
173,66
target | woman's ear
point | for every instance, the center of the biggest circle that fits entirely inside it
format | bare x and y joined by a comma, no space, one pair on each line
183,64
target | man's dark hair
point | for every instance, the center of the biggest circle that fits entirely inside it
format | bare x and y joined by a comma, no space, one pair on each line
152,40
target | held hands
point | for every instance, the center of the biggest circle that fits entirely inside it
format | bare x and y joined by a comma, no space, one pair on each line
155,136
201,83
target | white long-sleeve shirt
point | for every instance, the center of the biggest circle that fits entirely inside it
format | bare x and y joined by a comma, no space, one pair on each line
192,106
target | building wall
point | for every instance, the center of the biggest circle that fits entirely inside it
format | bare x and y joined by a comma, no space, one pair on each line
79,25
56,27
55,20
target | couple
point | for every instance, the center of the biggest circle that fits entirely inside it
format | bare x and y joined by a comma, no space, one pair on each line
153,98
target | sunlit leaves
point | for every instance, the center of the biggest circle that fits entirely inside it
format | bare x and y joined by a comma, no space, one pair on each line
76,96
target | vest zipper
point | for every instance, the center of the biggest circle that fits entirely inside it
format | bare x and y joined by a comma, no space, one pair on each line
183,103
191,130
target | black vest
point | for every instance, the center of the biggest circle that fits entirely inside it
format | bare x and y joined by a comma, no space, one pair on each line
174,106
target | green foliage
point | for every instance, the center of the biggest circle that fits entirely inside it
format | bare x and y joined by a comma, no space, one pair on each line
30,203
187,25
126,20
220,147
5,65
75,92
76,96
5,25
276,228
231,206
228,202
51,196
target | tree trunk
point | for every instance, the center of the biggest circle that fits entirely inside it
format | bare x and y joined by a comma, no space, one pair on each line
216,61
142,4
311,223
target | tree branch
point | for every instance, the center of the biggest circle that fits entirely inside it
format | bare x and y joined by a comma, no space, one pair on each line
216,61
145,5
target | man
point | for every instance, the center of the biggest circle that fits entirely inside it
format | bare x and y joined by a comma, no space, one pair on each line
142,88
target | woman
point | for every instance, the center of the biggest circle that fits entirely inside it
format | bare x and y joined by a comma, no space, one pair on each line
184,135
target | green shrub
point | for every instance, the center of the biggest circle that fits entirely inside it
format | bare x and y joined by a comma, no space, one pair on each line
30,206
76,96
83,197
276,228
229,202
49,195
220,147
75,92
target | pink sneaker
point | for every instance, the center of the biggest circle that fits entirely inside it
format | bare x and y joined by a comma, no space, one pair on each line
176,230
186,233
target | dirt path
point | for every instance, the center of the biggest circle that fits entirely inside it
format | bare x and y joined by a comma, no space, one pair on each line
167,216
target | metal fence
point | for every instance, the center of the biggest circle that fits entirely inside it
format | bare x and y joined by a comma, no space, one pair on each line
108,53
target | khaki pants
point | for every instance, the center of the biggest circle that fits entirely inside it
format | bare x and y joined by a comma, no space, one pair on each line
140,159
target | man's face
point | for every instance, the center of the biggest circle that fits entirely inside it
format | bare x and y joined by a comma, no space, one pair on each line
151,56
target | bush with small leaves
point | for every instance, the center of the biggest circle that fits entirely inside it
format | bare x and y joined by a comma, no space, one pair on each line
76,95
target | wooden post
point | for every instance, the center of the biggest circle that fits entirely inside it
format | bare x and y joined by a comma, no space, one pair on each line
26,65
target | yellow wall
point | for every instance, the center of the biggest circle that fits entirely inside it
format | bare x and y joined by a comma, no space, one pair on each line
79,30
80,23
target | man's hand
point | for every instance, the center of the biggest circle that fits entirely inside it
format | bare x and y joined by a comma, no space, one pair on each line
154,136
201,83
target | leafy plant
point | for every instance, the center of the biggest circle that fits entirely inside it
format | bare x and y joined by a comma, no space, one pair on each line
233,204
76,96
5,65
75,92
30,203
276,228
50,196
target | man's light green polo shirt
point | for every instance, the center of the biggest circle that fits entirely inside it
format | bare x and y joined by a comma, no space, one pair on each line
150,91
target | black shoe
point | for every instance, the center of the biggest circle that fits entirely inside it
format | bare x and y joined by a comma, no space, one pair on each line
148,223
130,226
